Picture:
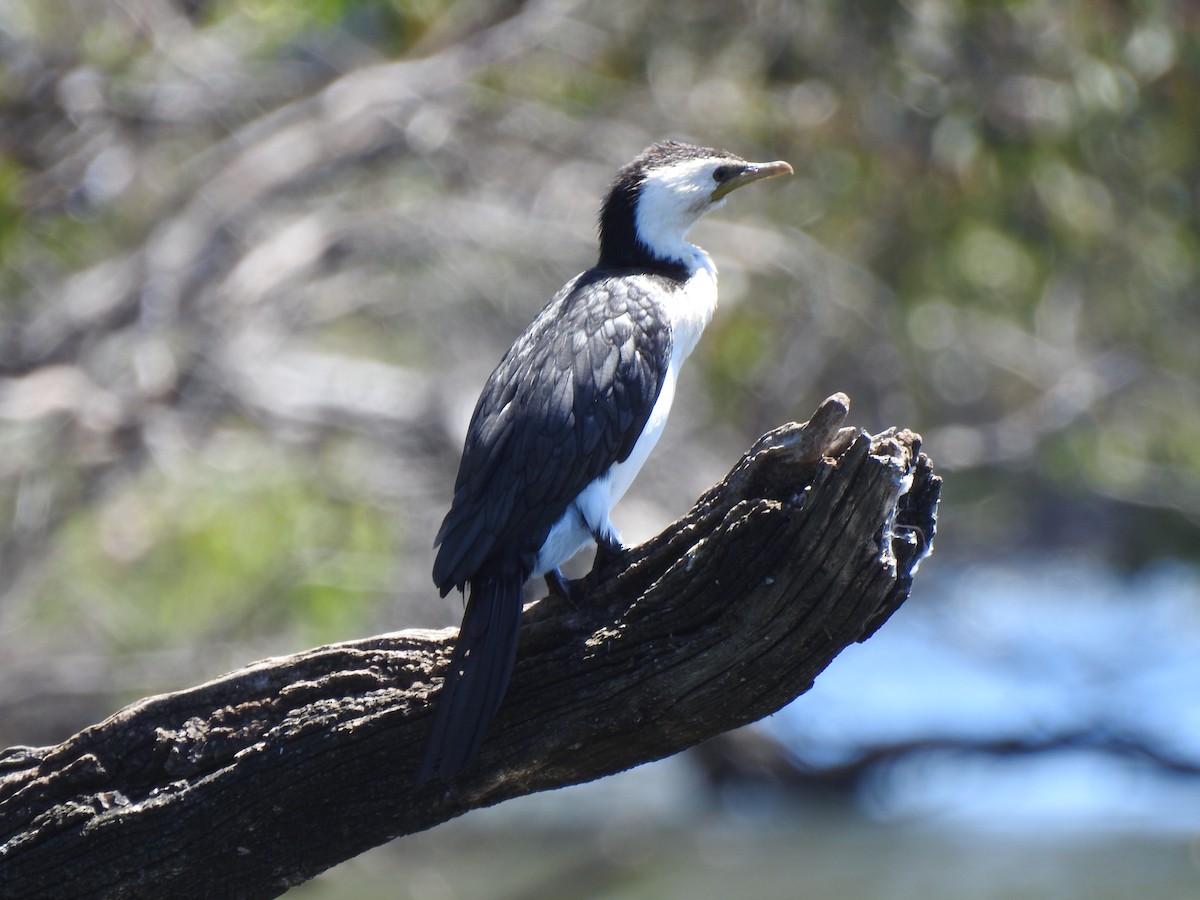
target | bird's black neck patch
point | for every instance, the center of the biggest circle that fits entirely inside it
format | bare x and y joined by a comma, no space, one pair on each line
620,246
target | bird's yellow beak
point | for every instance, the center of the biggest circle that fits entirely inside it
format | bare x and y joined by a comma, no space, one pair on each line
752,172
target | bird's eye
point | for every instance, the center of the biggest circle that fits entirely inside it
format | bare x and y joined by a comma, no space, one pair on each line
722,173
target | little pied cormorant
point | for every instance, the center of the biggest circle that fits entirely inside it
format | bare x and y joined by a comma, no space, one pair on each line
568,418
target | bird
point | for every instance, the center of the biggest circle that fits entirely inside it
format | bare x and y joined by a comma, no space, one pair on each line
567,419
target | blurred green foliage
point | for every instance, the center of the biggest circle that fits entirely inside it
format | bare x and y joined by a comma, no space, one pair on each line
187,558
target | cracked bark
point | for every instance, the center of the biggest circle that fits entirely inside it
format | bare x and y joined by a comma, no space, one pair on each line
257,781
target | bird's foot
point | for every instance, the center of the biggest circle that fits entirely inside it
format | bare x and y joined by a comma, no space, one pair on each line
562,588
608,551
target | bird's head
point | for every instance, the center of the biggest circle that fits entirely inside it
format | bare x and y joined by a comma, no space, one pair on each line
660,195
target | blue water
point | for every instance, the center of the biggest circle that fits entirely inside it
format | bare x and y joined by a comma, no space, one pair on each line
1095,676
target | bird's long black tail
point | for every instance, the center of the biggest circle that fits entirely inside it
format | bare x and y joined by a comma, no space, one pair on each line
476,678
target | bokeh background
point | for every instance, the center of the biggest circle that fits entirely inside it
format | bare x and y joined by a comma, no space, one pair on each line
257,258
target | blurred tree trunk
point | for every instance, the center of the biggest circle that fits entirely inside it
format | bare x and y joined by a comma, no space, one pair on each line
259,780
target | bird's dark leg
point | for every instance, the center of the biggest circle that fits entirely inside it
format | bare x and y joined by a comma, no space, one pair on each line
560,587
608,550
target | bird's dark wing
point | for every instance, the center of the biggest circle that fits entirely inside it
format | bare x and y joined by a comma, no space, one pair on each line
569,399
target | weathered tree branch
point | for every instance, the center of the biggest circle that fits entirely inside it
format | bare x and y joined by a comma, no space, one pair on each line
260,779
